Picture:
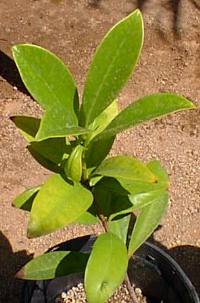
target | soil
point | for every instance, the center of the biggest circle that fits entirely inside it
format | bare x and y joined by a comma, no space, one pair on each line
170,62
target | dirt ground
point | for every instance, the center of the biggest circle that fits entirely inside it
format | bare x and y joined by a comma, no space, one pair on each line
170,62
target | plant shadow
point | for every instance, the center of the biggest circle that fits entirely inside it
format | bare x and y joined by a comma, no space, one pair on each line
10,263
175,7
188,257
9,72
94,3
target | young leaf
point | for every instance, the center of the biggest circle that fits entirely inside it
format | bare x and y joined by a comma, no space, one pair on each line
147,221
97,151
50,83
119,227
127,168
143,110
28,126
92,157
106,268
53,265
103,120
57,205
25,200
113,63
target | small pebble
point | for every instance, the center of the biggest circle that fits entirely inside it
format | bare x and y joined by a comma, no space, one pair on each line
77,295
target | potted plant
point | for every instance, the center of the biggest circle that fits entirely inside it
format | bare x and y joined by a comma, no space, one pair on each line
73,140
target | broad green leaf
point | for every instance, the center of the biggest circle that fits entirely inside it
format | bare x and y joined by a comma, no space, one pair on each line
113,63
147,221
50,153
127,168
160,172
50,83
53,265
28,126
119,227
54,149
106,268
137,187
25,200
103,120
127,204
110,184
143,110
123,196
141,200
44,161
58,204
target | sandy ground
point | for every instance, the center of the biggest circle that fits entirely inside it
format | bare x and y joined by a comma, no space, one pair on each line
170,62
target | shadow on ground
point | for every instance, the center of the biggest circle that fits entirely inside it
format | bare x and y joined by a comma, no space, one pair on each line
9,72
174,6
94,3
188,257
10,263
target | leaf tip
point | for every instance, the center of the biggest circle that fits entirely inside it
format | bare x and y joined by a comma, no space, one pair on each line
31,234
15,51
13,204
32,231
137,12
13,119
20,274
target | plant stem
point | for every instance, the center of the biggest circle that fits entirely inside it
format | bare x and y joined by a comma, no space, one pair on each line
130,289
127,280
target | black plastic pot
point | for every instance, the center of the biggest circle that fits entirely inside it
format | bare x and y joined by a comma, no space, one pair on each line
155,272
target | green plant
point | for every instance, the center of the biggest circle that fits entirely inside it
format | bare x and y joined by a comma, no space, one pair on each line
73,140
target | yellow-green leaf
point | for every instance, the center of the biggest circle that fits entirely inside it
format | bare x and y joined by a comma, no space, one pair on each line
106,268
113,63
28,126
147,221
143,110
50,83
58,204
127,168
25,200
53,265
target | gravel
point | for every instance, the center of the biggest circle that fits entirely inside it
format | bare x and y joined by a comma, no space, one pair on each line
77,295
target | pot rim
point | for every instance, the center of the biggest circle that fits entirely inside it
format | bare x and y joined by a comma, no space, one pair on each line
153,254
